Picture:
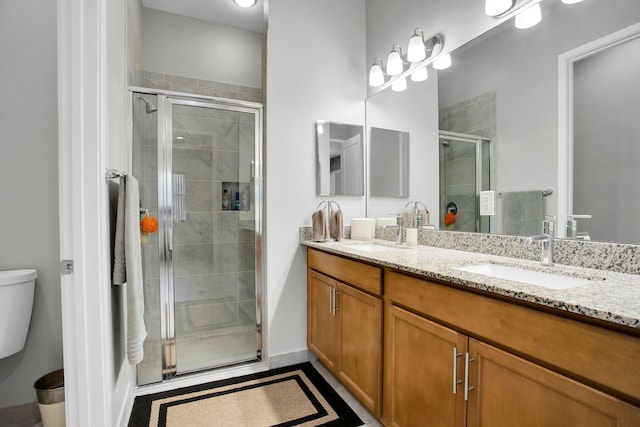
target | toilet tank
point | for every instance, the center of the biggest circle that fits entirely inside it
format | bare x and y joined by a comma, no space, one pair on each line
16,303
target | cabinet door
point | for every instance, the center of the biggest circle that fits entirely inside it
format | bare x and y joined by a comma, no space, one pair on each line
360,367
510,391
322,323
419,372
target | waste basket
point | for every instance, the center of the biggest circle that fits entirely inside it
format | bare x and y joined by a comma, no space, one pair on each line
50,393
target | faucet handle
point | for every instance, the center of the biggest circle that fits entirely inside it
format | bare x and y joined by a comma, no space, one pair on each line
398,218
572,225
547,225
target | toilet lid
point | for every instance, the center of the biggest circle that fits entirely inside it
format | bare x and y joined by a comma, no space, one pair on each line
12,277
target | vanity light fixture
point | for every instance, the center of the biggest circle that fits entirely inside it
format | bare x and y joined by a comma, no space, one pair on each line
376,73
442,62
245,3
395,63
420,53
498,7
529,16
420,75
416,51
399,85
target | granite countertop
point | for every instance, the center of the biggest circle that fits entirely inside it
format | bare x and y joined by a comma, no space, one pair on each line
609,296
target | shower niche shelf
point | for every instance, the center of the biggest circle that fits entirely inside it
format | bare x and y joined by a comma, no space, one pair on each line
238,196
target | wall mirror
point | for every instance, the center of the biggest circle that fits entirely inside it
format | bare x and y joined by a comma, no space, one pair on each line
389,160
503,86
340,159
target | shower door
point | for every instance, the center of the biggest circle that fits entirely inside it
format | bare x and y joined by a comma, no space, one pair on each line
202,270
464,172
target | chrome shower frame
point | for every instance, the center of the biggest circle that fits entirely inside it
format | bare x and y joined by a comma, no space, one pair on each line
165,102
478,141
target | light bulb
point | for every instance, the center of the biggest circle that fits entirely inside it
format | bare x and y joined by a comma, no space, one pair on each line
529,17
394,62
416,50
571,1
376,75
399,85
419,75
245,3
442,62
497,7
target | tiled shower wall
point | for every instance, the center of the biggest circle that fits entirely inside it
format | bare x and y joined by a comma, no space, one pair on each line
201,87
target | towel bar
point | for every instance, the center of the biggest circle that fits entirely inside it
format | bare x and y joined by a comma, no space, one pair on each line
546,192
114,173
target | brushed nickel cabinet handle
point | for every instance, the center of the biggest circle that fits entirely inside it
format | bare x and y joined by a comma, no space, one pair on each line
467,389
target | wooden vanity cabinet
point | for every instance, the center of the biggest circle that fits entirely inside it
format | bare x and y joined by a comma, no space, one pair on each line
437,342
344,323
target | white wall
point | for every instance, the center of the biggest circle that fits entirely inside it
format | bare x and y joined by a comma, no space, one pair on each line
315,70
29,173
188,47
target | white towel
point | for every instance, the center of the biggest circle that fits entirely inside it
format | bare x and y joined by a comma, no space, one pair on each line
127,266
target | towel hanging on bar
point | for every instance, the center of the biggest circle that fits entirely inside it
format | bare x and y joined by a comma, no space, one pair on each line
127,266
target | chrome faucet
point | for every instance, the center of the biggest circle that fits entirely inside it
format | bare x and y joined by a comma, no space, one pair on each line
572,227
400,236
546,238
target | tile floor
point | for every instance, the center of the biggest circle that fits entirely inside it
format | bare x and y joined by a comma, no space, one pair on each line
28,416
367,419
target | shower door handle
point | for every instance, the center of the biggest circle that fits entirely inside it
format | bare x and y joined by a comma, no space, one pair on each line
170,238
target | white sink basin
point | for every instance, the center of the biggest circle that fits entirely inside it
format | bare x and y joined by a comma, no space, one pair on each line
532,277
373,247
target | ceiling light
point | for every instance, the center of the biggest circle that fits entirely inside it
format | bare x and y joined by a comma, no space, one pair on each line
399,85
245,3
571,1
529,17
416,51
442,62
376,74
419,75
497,7
395,64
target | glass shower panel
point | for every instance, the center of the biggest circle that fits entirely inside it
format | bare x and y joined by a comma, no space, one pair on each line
145,169
458,183
214,244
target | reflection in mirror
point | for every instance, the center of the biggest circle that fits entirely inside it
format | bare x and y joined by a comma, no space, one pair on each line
504,86
340,162
606,132
464,172
389,160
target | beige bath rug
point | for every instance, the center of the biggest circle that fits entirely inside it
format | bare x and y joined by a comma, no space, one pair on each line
292,396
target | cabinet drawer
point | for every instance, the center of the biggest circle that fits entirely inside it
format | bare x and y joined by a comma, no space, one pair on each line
590,353
363,276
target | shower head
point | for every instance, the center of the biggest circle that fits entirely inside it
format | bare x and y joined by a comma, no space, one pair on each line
445,142
149,107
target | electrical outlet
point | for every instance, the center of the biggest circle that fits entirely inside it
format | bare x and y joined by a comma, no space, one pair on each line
487,203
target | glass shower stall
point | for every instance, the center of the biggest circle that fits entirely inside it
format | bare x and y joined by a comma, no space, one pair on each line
465,171
198,164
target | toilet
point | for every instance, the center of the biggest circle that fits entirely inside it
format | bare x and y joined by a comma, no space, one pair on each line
16,302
